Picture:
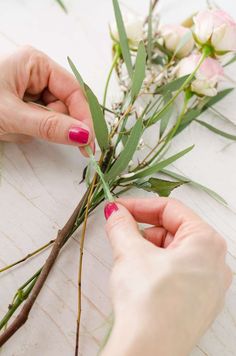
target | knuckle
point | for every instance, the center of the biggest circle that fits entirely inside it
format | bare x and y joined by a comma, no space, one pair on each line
48,127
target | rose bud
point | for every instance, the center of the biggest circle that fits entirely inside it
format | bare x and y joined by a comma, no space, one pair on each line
173,34
217,28
134,30
207,76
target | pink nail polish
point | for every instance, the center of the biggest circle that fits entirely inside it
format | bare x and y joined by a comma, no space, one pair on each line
109,209
79,135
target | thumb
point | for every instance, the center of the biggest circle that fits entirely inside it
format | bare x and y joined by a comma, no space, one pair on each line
121,228
52,126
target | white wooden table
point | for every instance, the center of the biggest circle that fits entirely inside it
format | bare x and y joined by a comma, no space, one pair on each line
40,186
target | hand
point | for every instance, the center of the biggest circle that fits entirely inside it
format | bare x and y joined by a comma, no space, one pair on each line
29,75
168,283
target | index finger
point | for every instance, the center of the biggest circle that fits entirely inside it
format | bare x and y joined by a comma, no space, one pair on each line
169,213
65,87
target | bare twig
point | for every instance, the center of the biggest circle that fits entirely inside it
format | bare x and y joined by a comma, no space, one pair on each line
44,247
59,242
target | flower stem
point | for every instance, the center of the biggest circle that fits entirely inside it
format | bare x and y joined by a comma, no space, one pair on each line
114,62
106,189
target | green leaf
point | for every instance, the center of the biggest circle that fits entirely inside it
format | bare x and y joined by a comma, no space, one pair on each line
123,38
127,154
221,95
167,115
156,167
62,5
190,115
232,60
193,113
150,42
139,71
209,191
160,186
159,115
76,73
172,86
99,123
217,131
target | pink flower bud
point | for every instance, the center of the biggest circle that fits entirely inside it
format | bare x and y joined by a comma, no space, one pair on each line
173,35
217,28
207,77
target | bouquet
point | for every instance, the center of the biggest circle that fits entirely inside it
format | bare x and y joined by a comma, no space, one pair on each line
168,76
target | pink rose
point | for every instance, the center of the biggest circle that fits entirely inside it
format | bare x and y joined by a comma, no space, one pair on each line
207,77
217,28
173,34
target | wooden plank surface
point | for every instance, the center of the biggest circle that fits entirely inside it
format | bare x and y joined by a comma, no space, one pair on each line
40,185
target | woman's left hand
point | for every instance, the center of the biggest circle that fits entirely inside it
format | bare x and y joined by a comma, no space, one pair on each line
29,76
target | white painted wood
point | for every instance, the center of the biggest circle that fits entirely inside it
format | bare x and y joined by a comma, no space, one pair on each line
40,186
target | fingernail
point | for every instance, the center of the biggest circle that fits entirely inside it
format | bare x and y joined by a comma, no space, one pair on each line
79,135
109,209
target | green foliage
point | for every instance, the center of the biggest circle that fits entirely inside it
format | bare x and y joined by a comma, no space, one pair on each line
123,38
139,71
127,154
156,167
160,186
216,131
99,123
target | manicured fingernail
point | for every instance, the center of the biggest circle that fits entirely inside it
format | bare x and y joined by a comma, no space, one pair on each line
79,135
109,209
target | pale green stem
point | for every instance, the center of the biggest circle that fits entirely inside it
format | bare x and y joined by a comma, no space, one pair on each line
106,189
114,62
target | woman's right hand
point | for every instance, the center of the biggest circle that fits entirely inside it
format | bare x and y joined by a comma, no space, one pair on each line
168,282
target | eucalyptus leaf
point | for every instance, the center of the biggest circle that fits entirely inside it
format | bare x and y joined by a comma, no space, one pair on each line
127,154
193,113
76,73
139,71
160,186
99,123
217,131
156,167
123,38
62,5
209,191
159,115
172,86
167,115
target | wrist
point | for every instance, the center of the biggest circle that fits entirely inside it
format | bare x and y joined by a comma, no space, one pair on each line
137,336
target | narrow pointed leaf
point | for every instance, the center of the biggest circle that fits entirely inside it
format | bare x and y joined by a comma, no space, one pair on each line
160,186
167,115
123,38
127,153
216,131
62,5
209,191
221,95
76,73
172,86
99,123
158,166
139,71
